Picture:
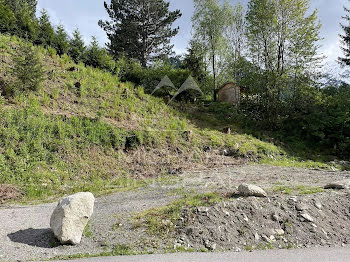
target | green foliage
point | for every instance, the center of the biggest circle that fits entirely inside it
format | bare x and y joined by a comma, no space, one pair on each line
282,39
46,34
150,77
345,39
210,20
77,47
98,57
61,43
7,18
28,71
140,29
300,189
161,221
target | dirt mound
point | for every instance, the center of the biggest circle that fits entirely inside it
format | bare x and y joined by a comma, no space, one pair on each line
261,223
8,192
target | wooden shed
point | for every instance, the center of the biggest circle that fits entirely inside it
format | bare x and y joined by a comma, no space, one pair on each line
230,93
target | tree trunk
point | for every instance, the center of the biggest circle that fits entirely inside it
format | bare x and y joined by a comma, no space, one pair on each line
214,73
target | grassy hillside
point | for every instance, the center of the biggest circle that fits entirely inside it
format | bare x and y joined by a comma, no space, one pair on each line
101,134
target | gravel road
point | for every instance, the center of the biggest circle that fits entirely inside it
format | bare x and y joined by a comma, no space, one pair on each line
25,232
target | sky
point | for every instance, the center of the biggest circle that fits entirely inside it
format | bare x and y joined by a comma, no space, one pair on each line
84,14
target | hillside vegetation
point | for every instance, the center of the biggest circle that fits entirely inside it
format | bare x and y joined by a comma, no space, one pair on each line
86,130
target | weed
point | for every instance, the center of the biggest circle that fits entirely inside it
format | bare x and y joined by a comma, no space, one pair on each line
87,230
300,189
161,221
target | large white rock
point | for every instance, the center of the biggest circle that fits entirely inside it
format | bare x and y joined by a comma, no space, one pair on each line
251,190
345,184
70,217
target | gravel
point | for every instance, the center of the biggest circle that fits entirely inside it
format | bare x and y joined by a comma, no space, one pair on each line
25,233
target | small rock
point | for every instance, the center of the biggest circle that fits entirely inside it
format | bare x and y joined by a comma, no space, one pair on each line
251,190
279,231
275,217
344,184
237,249
70,217
177,245
324,232
301,207
203,209
257,237
318,204
266,239
226,212
307,217
245,218
293,199
272,238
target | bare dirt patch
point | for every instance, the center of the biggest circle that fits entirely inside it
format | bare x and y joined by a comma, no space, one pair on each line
8,192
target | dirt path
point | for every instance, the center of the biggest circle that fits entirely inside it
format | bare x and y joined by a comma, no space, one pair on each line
25,233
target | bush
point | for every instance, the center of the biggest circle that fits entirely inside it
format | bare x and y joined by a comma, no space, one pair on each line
150,77
28,71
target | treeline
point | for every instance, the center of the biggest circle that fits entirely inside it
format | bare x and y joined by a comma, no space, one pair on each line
18,17
271,50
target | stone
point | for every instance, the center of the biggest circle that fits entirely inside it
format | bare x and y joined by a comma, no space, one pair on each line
257,237
203,209
279,231
307,217
301,207
70,217
275,217
245,218
344,184
318,204
251,190
266,239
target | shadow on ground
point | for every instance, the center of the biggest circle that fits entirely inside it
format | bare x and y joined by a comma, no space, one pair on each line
43,237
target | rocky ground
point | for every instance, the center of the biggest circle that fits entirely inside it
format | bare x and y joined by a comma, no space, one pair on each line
296,213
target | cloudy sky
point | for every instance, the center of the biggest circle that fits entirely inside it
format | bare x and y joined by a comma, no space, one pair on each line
85,14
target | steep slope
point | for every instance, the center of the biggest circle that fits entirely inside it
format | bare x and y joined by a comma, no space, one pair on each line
85,130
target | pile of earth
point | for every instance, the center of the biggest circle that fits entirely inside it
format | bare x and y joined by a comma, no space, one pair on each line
259,223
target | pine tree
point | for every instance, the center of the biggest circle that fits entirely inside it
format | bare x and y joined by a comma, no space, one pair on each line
28,71
17,5
46,32
140,29
98,57
76,47
61,43
18,17
7,18
345,40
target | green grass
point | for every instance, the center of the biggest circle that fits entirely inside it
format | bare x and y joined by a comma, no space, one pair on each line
296,162
63,139
300,189
87,230
118,250
161,221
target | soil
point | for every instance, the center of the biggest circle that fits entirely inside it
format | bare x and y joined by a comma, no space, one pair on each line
235,224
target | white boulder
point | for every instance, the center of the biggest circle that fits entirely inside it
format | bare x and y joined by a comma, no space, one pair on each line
70,217
345,184
251,190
